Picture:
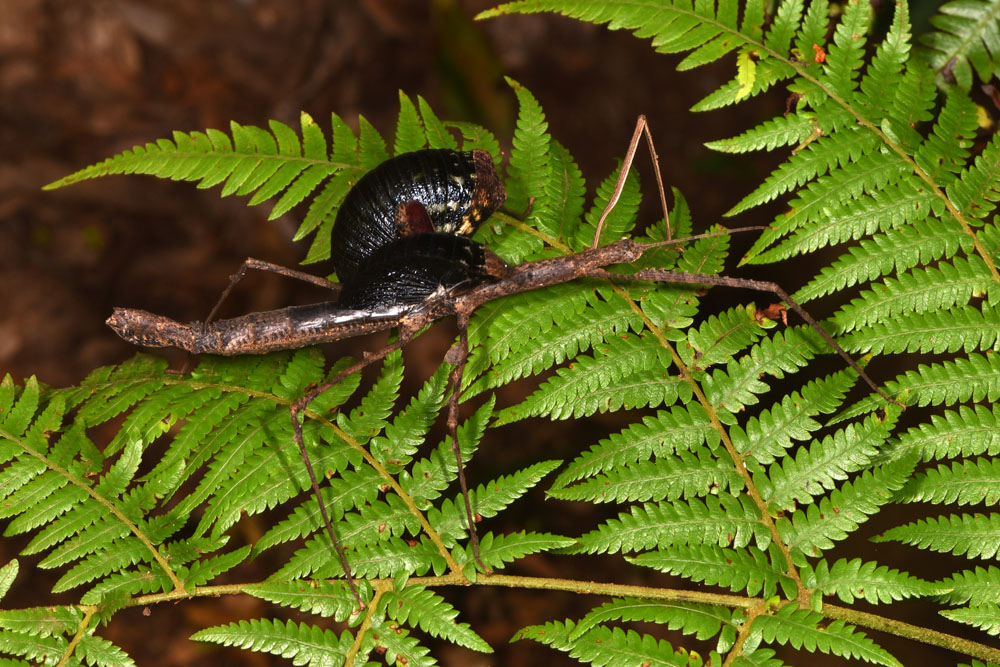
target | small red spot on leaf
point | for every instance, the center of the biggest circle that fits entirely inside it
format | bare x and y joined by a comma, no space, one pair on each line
820,56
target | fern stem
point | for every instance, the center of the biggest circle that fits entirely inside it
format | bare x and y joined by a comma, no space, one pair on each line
366,624
863,619
738,462
589,588
753,611
89,611
914,632
111,507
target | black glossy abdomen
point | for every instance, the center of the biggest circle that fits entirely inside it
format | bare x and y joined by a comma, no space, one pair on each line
412,268
457,189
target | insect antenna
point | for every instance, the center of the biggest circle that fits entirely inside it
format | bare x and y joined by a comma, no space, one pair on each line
641,127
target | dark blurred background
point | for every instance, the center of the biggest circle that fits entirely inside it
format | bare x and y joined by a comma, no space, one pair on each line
81,81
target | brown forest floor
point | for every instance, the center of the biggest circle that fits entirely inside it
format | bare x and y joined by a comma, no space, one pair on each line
80,81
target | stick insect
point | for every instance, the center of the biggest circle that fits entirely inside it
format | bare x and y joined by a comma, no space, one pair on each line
456,277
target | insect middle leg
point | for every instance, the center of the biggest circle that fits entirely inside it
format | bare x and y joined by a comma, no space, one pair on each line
458,355
302,404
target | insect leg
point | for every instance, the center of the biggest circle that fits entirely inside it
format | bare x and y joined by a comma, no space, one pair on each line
662,275
261,265
303,403
458,355
641,127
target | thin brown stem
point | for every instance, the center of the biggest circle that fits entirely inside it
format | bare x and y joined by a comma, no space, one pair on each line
302,404
459,355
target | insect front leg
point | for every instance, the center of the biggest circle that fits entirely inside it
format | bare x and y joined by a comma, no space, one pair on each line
261,265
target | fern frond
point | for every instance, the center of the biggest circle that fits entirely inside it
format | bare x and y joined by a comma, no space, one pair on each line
819,466
965,328
983,617
102,653
613,647
946,149
399,647
969,431
766,436
664,478
963,483
417,606
387,558
299,642
323,598
252,161
853,579
352,488
844,190
742,381
528,170
561,334
36,649
41,622
976,378
967,40
788,130
720,337
972,536
428,477
752,570
679,430
975,587
497,550
800,628
8,573
977,189
701,620
402,437
814,530
895,206
623,372
489,499
819,158
759,657
725,521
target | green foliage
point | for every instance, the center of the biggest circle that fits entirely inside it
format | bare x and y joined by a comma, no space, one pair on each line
754,494
967,41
